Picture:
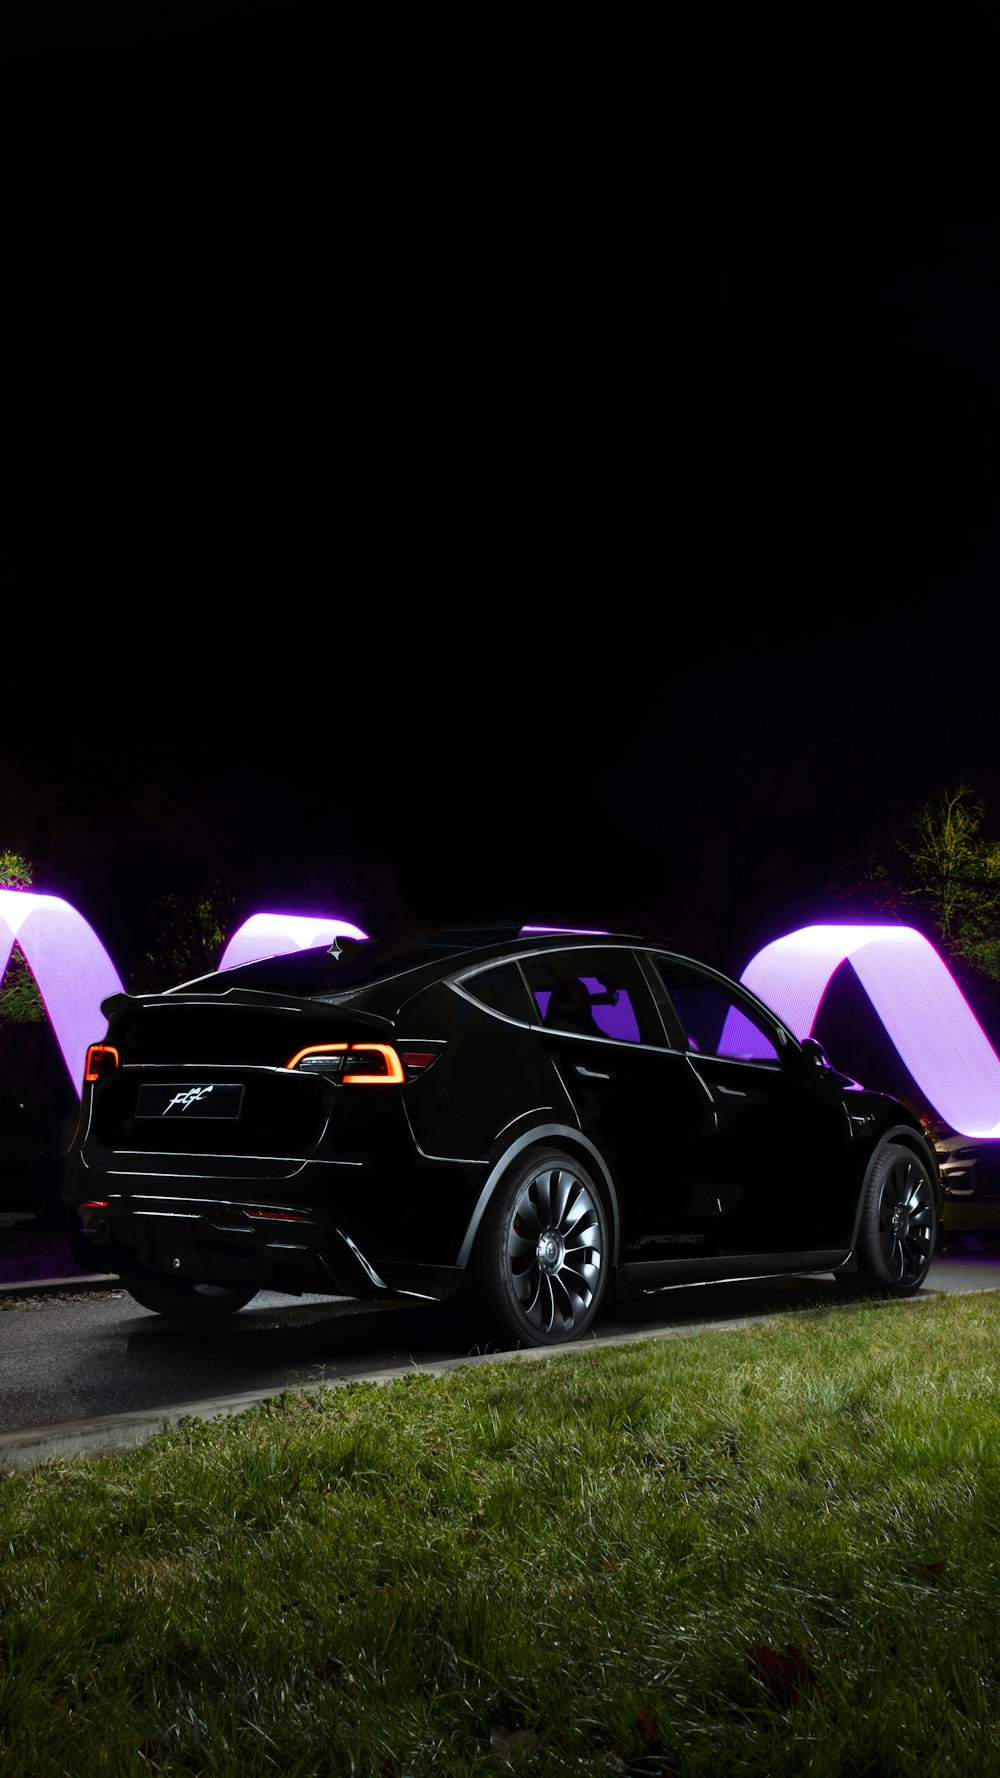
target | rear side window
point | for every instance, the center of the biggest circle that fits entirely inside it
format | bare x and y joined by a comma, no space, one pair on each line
501,988
592,993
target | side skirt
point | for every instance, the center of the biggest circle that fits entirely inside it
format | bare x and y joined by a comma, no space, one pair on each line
641,1277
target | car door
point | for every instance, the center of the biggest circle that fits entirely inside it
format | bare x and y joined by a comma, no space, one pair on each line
777,1157
634,1093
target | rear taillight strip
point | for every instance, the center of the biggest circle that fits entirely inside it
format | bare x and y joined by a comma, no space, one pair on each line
349,1072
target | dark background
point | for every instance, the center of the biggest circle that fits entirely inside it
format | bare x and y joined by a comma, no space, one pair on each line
545,477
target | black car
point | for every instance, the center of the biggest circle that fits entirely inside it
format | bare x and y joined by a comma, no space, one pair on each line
530,1124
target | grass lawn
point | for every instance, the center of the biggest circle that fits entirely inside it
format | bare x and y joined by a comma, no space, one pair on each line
766,1551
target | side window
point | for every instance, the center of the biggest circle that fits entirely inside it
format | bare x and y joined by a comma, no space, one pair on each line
715,1021
593,994
501,989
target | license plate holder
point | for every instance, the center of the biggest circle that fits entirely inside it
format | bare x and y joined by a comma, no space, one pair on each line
190,1101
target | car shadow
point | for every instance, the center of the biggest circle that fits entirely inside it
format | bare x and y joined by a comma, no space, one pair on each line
305,1340
285,1342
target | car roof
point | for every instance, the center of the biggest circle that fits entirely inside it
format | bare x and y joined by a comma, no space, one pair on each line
350,965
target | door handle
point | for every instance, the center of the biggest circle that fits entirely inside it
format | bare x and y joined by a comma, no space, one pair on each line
592,1073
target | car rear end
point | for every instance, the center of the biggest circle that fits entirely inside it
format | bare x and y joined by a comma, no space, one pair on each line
247,1140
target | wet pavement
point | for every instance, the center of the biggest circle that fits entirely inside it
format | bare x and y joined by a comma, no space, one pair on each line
84,1370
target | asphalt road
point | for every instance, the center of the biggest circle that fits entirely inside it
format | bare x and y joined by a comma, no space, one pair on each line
85,1371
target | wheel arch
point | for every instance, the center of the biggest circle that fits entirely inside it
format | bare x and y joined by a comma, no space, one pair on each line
546,1136
897,1136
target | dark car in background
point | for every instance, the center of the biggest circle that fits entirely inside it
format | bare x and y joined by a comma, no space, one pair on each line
34,1137
970,1182
20,1144
528,1124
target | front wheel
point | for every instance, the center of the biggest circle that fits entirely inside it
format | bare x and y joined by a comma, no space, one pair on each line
186,1301
899,1225
539,1267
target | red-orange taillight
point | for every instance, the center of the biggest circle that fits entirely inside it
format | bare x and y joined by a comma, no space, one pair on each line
355,1064
102,1058
372,1065
319,1058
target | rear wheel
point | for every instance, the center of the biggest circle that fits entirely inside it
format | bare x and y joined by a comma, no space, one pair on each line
899,1225
539,1267
185,1301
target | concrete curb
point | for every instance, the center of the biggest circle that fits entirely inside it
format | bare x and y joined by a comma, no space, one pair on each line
20,1451
53,1286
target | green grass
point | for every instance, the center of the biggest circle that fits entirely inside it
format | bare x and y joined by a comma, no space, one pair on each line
769,1551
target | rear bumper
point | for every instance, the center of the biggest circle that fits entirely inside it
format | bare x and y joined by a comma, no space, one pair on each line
224,1246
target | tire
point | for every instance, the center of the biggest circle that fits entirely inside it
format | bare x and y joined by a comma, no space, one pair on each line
187,1302
898,1232
540,1263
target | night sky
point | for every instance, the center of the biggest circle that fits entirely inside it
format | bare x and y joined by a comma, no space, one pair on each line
570,497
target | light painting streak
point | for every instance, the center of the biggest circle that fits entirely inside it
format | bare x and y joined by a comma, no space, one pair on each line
921,1006
69,963
274,935
910,988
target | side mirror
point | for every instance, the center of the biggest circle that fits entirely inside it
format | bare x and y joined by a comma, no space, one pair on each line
814,1052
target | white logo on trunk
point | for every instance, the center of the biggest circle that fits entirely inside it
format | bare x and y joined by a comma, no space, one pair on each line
184,1100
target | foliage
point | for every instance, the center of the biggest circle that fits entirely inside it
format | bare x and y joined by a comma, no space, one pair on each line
15,871
938,866
20,1001
191,928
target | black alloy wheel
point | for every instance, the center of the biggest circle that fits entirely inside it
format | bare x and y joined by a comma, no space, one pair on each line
540,1265
899,1224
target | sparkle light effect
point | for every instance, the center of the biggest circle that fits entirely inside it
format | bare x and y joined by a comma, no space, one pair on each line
914,994
272,935
69,963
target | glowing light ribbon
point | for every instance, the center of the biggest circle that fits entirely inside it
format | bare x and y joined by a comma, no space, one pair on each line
914,994
74,972
69,963
268,935
932,1026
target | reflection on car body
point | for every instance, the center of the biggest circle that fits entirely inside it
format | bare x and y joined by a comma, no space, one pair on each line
970,1181
526,1125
